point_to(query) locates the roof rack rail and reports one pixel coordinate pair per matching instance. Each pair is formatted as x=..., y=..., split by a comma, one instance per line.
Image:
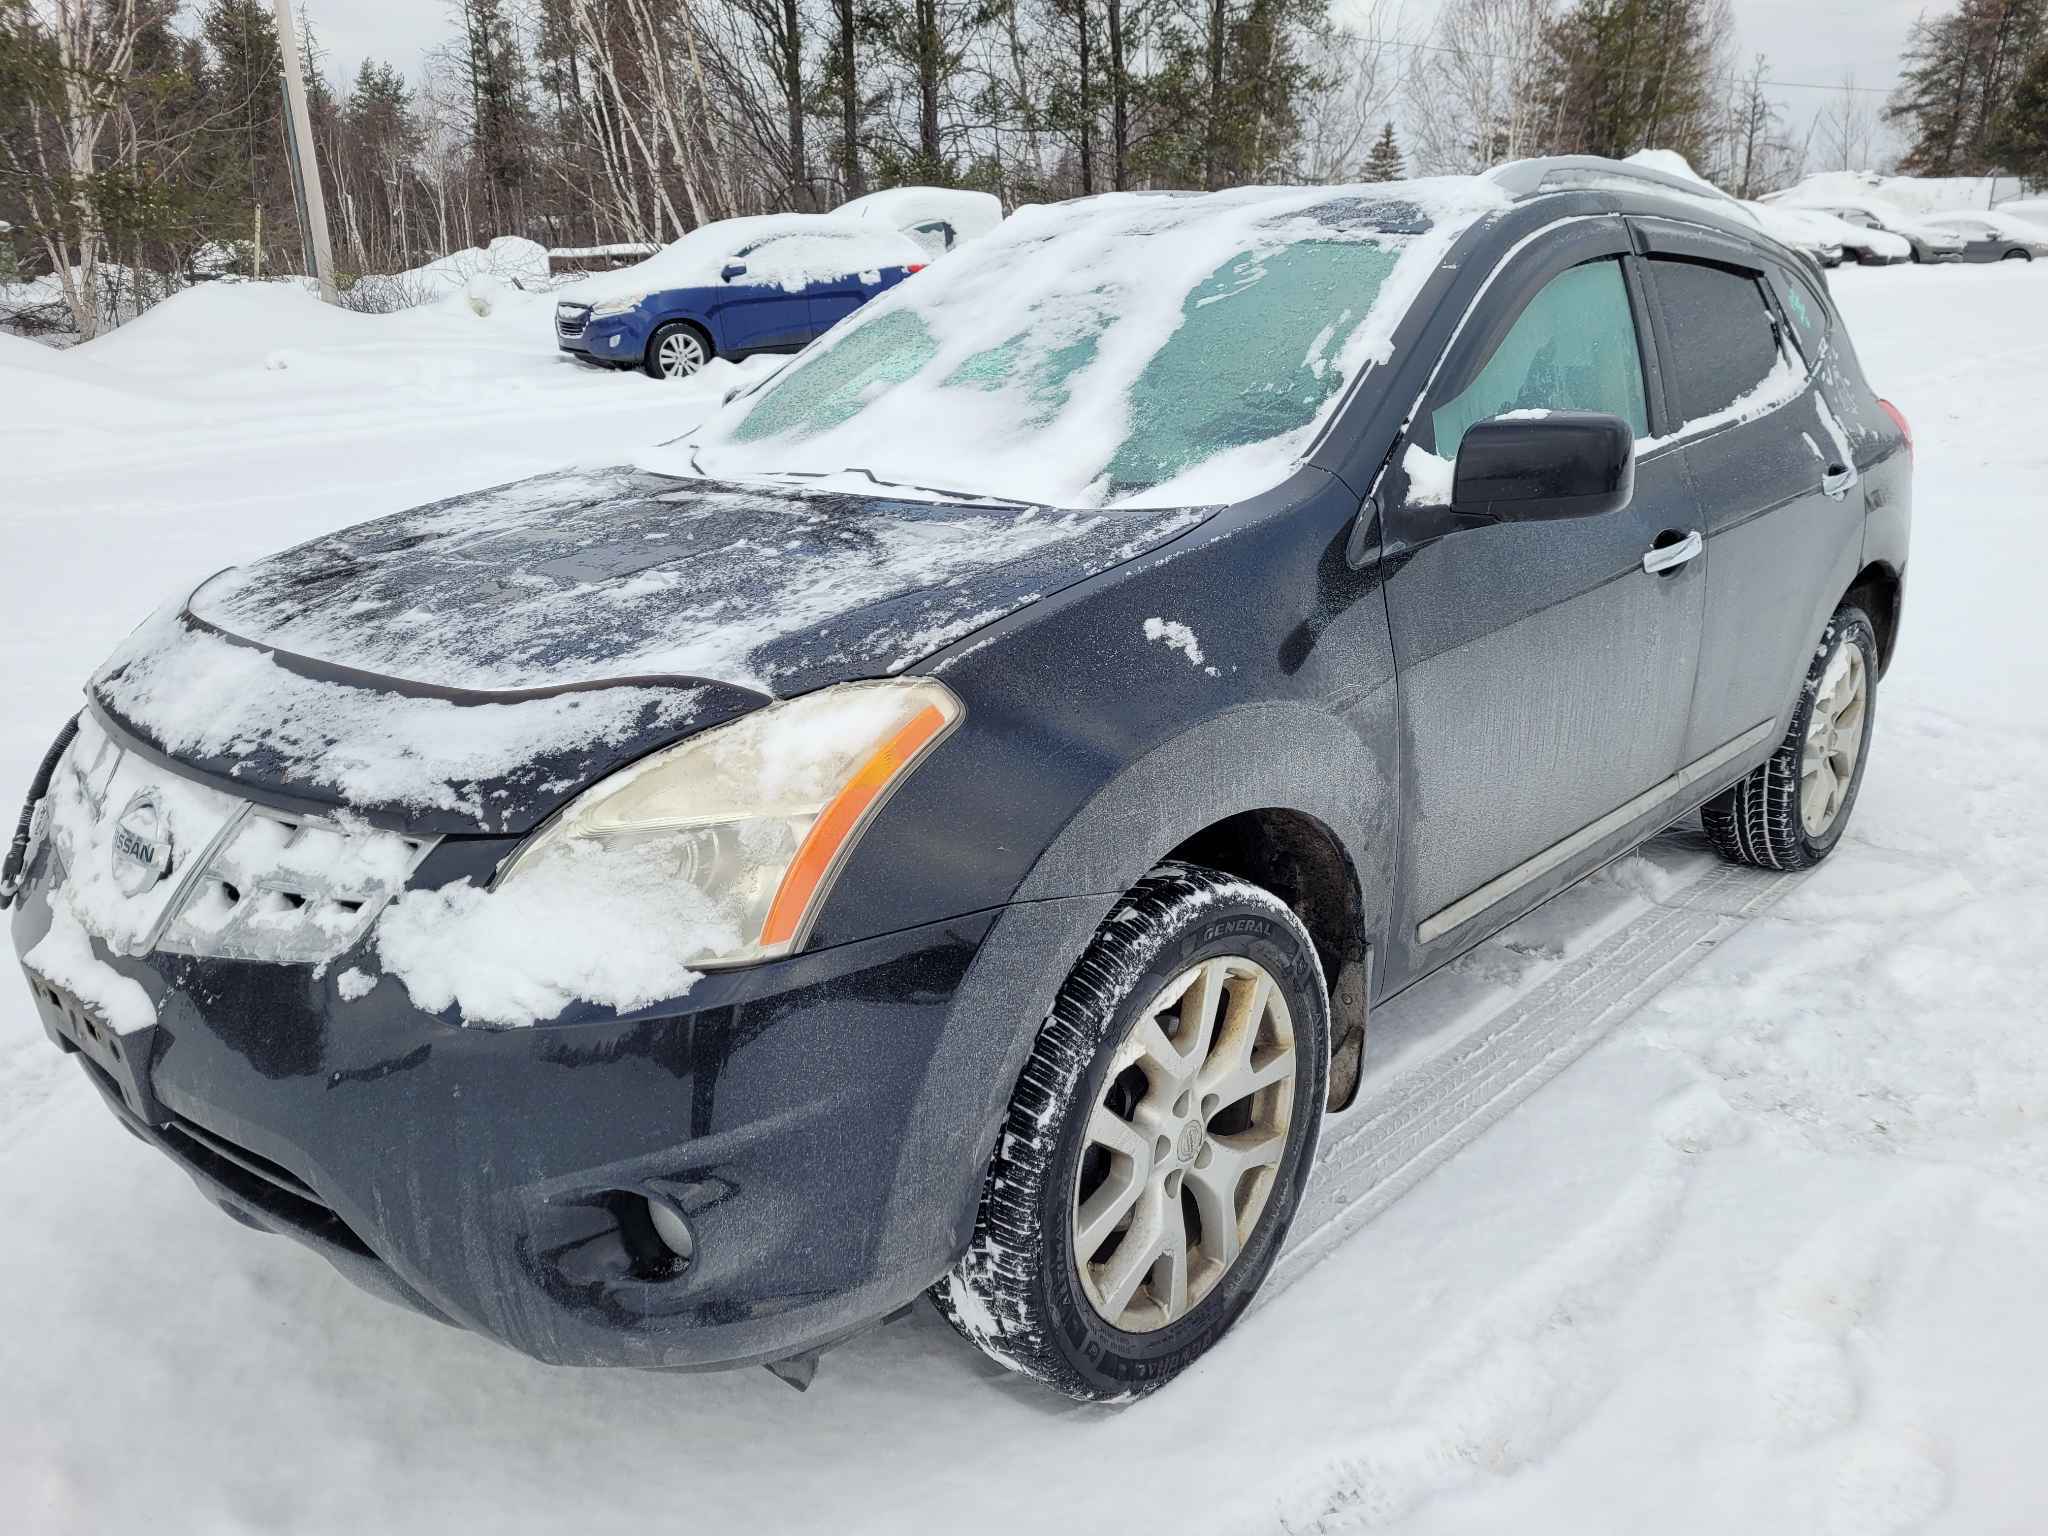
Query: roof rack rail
x=1558, y=173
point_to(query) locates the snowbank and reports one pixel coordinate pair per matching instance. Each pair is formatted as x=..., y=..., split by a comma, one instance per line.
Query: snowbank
x=1909, y=194
x=506, y=260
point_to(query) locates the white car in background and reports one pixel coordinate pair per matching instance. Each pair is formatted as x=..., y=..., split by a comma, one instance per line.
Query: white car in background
x=940, y=219
x=1816, y=234
x=1859, y=243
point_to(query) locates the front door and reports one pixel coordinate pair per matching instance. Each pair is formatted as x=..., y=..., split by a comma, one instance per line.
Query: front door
x=1544, y=673
x=762, y=317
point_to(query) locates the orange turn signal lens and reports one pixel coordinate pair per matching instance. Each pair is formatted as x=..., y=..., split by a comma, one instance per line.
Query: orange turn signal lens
x=833, y=832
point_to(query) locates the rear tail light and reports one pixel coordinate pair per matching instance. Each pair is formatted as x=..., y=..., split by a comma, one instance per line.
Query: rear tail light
x=1899, y=421
x=917, y=266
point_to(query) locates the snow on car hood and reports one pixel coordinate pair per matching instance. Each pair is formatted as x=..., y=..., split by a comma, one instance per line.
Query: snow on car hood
x=470, y=664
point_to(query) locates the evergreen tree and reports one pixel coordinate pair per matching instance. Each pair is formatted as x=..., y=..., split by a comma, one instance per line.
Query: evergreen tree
x=501, y=112
x=2020, y=136
x=1961, y=72
x=243, y=94
x=1383, y=161
x=1624, y=75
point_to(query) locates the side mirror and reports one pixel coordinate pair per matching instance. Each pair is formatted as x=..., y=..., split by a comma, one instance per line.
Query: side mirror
x=734, y=269
x=1562, y=464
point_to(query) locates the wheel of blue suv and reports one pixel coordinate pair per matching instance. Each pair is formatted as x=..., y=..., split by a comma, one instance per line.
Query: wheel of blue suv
x=1156, y=1144
x=1790, y=813
x=677, y=350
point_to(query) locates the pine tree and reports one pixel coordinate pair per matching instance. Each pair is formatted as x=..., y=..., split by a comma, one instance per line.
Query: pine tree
x=2020, y=136
x=1960, y=74
x=245, y=100
x=1383, y=161
x=1624, y=75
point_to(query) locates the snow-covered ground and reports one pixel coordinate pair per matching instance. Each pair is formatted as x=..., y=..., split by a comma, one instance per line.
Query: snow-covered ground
x=1771, y=1258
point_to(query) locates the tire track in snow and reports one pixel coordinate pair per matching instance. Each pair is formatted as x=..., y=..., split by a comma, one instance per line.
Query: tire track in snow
x=1525, y=1371
x=1400, y=1131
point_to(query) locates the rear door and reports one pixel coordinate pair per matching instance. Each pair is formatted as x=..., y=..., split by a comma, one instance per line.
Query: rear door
x=1773, y=470
x=832, y=297
x=1543, y=674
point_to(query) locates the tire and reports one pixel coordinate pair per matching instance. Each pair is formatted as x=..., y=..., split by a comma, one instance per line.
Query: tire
x=2016, y=254
x=677, y=350
x=1768, y=818
x=1019, y=1291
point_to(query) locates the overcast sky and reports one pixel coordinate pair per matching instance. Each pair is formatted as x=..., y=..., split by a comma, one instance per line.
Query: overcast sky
x=1811, y=41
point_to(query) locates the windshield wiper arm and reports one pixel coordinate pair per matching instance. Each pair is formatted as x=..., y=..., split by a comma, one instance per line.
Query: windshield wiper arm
x=932, y=490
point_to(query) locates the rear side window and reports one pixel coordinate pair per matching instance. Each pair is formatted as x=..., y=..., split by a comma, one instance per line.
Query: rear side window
x=1723, y=340
x=1573, y=349
x=1808, y=312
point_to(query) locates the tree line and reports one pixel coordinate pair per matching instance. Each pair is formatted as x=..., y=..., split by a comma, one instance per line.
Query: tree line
x=1973, y=92
x=146, y=138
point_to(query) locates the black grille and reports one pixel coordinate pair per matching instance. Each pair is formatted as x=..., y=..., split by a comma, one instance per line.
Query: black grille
x=570, y=324
x=270, y=1188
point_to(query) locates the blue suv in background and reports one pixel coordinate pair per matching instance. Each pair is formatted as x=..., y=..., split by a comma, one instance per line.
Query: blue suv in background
x=731, y=289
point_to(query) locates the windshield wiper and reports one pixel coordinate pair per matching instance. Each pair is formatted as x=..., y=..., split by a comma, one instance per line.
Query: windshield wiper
x=907, y=485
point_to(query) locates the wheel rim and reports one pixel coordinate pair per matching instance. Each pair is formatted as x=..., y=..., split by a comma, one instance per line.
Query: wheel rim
x=679, y=355
x=1834, y=739
x=1184, y=1145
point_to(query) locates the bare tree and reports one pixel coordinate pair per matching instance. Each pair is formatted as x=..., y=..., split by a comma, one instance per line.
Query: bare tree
x=68, y=120
x=1847, y=128
x=1355, y=94
x=1473, y=91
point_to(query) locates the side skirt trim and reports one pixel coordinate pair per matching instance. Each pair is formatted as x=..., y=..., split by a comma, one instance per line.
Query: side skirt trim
x=1499, y=889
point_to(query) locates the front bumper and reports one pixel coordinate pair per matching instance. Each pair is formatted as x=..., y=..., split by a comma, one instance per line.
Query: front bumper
x=620, y=340
x=821, y=1122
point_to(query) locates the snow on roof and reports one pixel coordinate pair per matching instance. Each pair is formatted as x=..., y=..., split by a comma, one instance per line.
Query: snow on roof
x=790, y=249
x=970, y=213
x=1671, y=163
x=1040, y=363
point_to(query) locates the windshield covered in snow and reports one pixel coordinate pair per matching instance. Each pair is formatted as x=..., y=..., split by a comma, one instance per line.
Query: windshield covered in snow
x=1121, y=350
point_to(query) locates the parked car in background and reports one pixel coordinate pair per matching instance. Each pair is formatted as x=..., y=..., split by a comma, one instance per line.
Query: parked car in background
x=1816, y=234
x=1925, y=242
x=940, y=826
x=940, y=219
x=731, y=289
x=1995, y=236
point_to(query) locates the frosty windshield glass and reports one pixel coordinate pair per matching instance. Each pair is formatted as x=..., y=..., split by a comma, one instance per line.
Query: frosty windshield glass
x=1122, y=350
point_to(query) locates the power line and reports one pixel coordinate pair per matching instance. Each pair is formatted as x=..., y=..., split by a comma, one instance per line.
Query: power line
x=1509, y=58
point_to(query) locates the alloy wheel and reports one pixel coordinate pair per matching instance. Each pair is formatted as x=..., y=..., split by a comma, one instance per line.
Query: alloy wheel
x=679, y=355
x=1834, y=738
x=1185, y=1143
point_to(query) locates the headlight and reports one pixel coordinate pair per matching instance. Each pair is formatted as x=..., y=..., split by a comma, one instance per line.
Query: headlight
x=616, y=306
x=758, y=815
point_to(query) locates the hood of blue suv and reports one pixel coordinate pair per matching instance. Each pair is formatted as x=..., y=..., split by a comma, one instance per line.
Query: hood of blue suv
x=471, y=664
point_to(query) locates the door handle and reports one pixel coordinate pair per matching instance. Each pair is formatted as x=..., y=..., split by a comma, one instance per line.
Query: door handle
x=1837, y=480
x=1669, y=557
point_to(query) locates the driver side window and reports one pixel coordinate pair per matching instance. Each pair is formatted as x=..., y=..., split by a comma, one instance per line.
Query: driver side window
x=1573, y=349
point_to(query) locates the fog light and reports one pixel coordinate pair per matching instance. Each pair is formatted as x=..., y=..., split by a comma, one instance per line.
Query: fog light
x=670, y=1227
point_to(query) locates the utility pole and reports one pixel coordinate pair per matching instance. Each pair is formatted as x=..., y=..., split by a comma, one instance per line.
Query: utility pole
x=305, y=159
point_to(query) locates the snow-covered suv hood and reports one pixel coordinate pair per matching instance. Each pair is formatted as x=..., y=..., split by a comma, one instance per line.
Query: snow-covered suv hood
x=469, y=664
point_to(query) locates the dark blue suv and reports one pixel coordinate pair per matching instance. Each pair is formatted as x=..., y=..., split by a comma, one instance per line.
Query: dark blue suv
x=943, y=825
x=731, y=289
